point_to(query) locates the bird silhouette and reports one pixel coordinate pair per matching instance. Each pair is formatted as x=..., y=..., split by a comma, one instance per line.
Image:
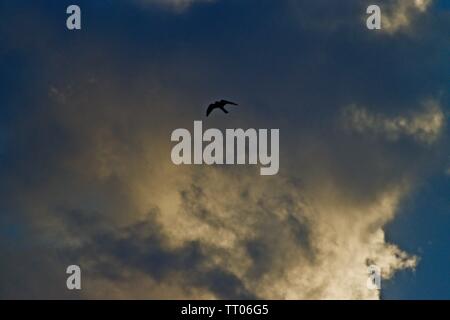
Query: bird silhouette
x=219, y=105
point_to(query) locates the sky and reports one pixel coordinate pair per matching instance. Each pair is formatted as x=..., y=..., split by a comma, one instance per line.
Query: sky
x=87, y=179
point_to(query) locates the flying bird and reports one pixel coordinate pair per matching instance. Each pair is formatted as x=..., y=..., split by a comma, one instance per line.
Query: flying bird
x=219, y=105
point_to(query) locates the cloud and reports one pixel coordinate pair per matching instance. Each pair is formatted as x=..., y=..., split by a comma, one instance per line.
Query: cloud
x=284, y=242
x=141, y=227
x=396, y=15
x=400, y=14
x=425, y=126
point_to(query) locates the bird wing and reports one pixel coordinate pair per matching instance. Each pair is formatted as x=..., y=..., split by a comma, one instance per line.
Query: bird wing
x=224, y=110
x=210, y=109
x=225, y=102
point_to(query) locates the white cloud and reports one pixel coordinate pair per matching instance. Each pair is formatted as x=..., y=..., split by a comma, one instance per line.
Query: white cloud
x=310, y=245
x=425, y=126
x=400, y=13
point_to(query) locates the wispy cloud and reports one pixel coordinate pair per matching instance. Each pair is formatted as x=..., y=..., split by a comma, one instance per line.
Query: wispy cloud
x=400, y=14
x=425, y=126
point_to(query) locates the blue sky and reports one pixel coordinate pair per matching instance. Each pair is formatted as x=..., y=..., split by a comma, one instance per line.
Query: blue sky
x=422, y=228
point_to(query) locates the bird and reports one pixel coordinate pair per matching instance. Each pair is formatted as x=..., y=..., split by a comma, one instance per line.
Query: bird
x=219, y=105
